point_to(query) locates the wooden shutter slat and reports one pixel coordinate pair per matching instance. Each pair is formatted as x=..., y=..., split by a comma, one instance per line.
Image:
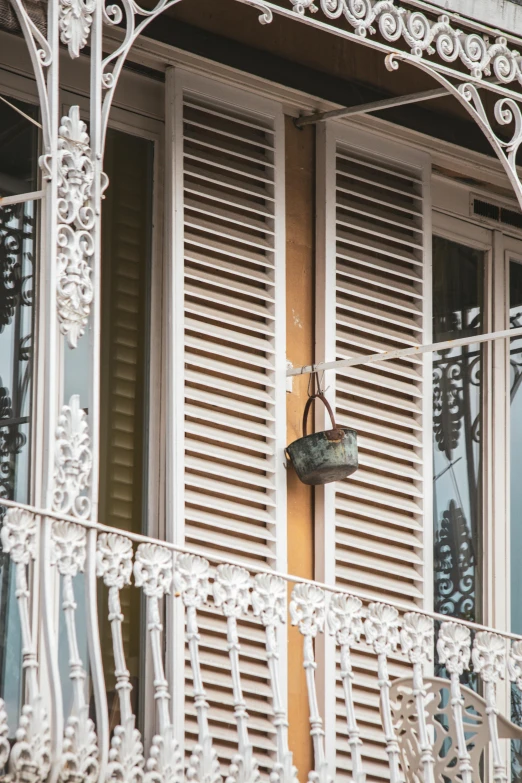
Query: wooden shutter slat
x=232, y=382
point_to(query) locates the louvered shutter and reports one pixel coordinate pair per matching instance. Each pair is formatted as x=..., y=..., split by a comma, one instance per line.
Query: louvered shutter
x=375, y=263
x=231, y=354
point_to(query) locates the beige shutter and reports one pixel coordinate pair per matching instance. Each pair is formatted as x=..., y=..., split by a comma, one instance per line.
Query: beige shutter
x=376, y=261
x=233, y=378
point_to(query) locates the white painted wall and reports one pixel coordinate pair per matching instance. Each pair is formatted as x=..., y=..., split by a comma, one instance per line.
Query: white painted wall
x=505, y=14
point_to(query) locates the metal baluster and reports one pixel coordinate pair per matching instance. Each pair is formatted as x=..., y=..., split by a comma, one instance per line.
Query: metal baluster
x=307, y=610
x=489, y=660
x=344, y=619
x=153, y=572
x=269, y=604
x=382, y=633
x=454, y=651
x=114, y=564
x=231, y=589
x=80, y=747
x=30, y=755
x=417, y=643
x=191, y=580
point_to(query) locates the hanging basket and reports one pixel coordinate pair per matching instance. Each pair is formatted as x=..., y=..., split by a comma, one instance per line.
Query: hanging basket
x=325, y=456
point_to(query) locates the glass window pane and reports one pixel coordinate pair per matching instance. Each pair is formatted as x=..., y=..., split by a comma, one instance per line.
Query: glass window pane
x=18, y=149
x=17, y=269
x=18, y=174
x=458, y=275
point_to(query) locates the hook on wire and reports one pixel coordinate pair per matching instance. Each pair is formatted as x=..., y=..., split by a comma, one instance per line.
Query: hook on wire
x=313, y=382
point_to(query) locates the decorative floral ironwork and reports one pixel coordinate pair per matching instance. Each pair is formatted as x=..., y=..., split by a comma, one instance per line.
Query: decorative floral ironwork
x=80, y=750
x=153, y=572
x=454, y=652
x=345, y=622
x=153, y=569
x=18, y=536
x=73, y=461
x=423, y=35
x=489, y=656
x=75, y=23
x=114, y=565
x=381, y=628
x=269, y=599
x=30, y=757
x=231, y=590
x=164, y=764
x=345, y=618
x=454, y=647
x=76, y=217
x=489, y=660
x=191, y=580
x=80, y=746
x=506, y=112
x=68, y=551
x=307, y=609
x=114, y=560
x=417, y=635
x=269, y=604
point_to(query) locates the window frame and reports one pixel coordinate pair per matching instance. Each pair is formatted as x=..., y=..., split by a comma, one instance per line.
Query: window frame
x=500, y=248
x=142, y=125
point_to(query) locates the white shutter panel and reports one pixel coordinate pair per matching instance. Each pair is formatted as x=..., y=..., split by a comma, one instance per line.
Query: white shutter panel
x=231, y=269
x=376, y=261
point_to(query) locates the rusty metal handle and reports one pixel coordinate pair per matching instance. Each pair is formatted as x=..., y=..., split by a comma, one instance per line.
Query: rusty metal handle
x=309, y=405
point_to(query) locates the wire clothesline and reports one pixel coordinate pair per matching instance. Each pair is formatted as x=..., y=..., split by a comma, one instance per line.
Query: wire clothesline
x=399, y=353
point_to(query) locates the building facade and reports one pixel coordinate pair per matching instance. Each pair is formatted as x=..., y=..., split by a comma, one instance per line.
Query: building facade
x=210, y=212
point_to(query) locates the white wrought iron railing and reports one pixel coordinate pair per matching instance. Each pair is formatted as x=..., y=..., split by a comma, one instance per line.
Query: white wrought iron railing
x=432, y=727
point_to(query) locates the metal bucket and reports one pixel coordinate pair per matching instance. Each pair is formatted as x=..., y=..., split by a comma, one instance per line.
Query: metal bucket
x=325, y=456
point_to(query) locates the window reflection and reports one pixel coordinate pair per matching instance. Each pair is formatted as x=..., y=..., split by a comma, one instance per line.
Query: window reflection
x=17, y=254
x=458, y=274
x=18, y=153
x=18, y=149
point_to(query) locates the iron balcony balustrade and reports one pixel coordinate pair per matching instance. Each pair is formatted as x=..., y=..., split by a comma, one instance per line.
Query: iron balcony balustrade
x=431, y=728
